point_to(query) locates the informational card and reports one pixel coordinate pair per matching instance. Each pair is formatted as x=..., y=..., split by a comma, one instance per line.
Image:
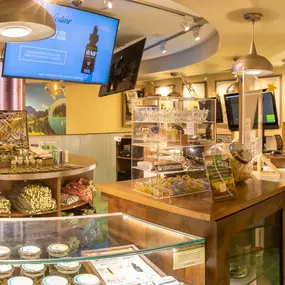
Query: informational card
x=220, y=174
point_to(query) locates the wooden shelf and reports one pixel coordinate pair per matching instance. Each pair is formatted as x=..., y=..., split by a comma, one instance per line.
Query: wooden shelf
x=19, y=214
x=129, y=158
x=73, y=206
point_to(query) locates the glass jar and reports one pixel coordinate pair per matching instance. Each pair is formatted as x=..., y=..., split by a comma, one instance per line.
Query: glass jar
x=68, y=270
x=34, y=271
x=6, y=272
x=86, y=279
x=5, y=252
x=57, y=250
x=54, y=280
x=30, y=252
x=20, y=280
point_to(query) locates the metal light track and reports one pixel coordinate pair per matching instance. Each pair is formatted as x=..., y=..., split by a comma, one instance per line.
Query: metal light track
x=172, y=37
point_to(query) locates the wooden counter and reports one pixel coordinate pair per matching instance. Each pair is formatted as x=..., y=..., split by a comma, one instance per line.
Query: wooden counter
x=198, y=215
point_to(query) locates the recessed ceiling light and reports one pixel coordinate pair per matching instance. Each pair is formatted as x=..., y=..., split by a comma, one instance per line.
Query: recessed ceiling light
x=22, y=21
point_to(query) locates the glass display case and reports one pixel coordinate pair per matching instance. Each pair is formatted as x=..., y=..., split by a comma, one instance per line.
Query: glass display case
x=108, y=249
x=255, y=253
x=172, y=133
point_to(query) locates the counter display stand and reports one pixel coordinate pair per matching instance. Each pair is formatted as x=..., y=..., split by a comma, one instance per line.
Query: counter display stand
x=79, y=167
x=173, y=133
x=117, y=248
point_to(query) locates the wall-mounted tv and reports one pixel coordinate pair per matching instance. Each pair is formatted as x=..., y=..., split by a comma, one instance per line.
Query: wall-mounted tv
x=81, y=50
x=124, y=69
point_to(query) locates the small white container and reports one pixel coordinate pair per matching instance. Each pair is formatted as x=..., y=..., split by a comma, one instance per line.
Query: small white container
x=57, y=250
x=5, y=252
x=6, y=272
x=53, y=280
x=19, y=280
x=144, y=165
x=86, y=279
x=30, y=252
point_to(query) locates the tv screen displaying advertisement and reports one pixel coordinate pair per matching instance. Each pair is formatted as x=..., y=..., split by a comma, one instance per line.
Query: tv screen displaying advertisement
x=124, y=69
x=270, y=116
x=80, y=51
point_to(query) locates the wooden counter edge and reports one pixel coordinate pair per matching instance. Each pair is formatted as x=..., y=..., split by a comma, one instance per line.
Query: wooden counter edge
x=116, y=190
x=123, y=190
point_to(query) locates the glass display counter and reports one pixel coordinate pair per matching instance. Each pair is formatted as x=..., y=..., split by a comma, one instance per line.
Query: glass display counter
x=116, y=248
x=255, y=253
x=172, y=133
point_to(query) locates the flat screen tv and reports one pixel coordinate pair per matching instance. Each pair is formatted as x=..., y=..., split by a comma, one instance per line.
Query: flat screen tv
x=124, y=69
x=80, y=51
x=270, y=116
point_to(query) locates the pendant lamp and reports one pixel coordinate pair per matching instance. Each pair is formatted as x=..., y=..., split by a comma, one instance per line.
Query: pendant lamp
x=24, y=21
x=253, y=64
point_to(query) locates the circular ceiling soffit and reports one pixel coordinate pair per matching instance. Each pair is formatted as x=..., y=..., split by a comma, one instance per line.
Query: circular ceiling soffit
x=24, y=21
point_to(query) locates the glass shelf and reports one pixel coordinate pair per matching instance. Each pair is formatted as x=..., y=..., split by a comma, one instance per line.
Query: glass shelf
x=89, y=233
x=268, y=273
x=170, y=171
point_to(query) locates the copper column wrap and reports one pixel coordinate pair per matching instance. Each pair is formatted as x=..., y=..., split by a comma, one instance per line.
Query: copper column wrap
x=12, y=93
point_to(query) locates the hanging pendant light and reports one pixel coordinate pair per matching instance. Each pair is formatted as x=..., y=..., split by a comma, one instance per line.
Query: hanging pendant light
x=253, y=64
x=55, y=88
x=24, y=21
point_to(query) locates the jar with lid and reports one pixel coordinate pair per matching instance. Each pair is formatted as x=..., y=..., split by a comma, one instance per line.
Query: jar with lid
x=6, y=272
x=20, y=280
x=30, y=252
x=34, y=271
x=57, y=250
x=5, y=253
x=86, y=279
x=68, y=270
x=55, y=280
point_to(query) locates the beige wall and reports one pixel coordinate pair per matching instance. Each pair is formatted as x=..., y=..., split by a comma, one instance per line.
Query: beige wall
x=88, y=113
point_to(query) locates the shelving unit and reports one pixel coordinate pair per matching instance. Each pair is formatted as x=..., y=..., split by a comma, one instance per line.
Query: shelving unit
x=54, y=180
x=172, y=133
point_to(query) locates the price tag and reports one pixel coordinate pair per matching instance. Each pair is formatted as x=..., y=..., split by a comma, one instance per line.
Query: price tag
x=190, y=255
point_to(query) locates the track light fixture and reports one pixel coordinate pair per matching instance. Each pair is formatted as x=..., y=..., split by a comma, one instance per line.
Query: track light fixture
x=187, y=23
x=107, y=4
x=196, y=34
x=162, y=47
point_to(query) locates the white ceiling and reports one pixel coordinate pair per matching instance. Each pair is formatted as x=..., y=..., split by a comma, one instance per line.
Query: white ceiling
x=137, y=21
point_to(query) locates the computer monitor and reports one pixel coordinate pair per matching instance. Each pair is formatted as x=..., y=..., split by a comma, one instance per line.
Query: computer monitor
x=219, y=111
x=270, y=116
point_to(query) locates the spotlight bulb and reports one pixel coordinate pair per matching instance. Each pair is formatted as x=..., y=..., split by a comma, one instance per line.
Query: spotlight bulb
x=196, y=33
x=110, y=5
x=162, y=47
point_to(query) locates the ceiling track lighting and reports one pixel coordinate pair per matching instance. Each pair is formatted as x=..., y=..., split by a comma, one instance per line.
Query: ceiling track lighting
x=196, y=33
x=107, y=4
x=162, y=47
x=187, y=23
x=253, y=64
x=25, y=21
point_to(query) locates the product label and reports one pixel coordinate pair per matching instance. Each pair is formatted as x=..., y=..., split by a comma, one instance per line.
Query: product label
x=188, y=256
x=220, y=175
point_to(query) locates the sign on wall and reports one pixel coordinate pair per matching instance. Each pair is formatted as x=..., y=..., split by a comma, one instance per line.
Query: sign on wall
x=46, y=113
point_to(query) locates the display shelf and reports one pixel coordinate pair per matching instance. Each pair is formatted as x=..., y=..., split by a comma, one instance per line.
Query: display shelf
x=267, y=273
x=162, y=146
x=173, y=122
x=129, y=158
x=132, y=249
x=73, y=206
x=19, y=214
x=169, y=172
